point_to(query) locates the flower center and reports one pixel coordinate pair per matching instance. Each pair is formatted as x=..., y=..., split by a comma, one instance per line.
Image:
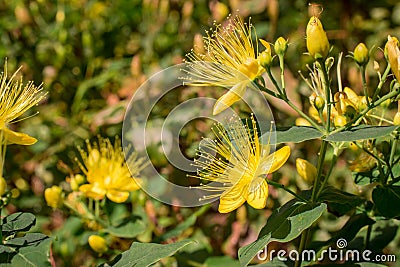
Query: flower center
x=249, y=68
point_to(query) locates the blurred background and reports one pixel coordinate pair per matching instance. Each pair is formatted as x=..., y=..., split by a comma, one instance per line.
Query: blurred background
x=91, y=57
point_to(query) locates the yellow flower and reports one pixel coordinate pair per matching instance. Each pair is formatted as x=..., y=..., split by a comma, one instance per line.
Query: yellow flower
x=229, y=50
x=107, y=173
x=306, y=170
x=239, y=166
x=98, y=244
x=54, y=196
x=15, y=100
x=317, y=41
x=363, y=163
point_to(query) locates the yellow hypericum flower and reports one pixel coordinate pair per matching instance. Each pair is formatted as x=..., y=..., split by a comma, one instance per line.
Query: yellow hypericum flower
x=15, y=99
x=393, y=54
x=107, y=173
x=54, y=196
x=317, y=41
x=237, y=164
x=229, y=50
x=363, y=163
x=306, y=170
x=98, y=244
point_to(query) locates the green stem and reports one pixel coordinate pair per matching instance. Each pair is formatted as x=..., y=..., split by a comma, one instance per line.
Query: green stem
x=303, y=241
x=282, y=66
x=274, y=82
x=381, y=82
x=301, y=113
x=305, y=233
x=328, y=174
x=364, y=82
x=368, y=236
x=284, y=97
x=278, y=185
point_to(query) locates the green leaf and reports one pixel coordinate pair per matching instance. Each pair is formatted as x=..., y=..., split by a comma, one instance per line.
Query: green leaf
x=361, y=132
x=387, y=200
x=128, y=228
x=30, y=239
x=34, y=253
x=285, y=224
x=17, y=222
x=296, y=134
x=339, y=202
x=145, y=254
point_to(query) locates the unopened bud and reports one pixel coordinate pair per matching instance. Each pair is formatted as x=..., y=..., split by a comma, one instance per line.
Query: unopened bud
x=302, y=122
x=281, y=46
x=53, y=196
x=319, y=102
x=265, y=58
x=317, y=41
x=361, y=55
x=306, y=170
x=98, y=244
x=3, y=186
x=393, y=55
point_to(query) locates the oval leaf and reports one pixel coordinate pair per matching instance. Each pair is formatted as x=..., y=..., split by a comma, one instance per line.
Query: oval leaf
x=296, y=134
x=361, y=132
x=285, y=224
x=17, y=222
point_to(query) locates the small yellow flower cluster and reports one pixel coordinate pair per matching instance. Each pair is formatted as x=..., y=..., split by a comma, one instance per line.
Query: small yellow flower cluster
x=107, y=172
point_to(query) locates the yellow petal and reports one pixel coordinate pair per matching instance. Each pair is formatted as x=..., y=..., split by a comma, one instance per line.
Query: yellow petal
x=131, y=185
x=232, y=96
x=231, y=200
x=117, y=196
x=18, y=138
x=257, y=194
x=279, y=158
x=92, y=191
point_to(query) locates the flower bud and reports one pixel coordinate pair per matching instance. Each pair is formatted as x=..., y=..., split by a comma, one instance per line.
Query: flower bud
x=361, y=55
x=265, y=58
x=281, y=46
x=319, y=102
x=76, y=181
x=317, y=41
x=339, y=120
x=393, y=55
x=302, y=122
x=3, y=186
x=306, y=170
x=396, y=119
x=98, y=244
x=53, y=196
